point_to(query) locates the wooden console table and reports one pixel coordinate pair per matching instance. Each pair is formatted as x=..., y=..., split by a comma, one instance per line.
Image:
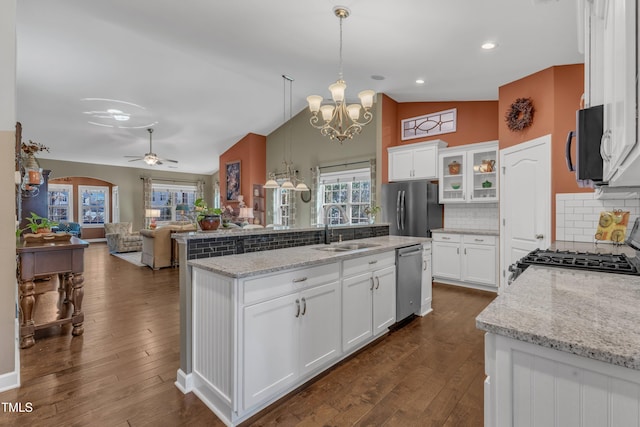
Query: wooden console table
x=65, y=259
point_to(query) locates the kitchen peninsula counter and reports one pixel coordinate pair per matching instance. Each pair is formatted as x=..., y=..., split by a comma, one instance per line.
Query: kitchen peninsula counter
x=590, y=314
x=255, y=263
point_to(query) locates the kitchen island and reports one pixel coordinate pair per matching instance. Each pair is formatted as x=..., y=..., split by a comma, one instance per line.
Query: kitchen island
x=265, y=323
x=563, y=348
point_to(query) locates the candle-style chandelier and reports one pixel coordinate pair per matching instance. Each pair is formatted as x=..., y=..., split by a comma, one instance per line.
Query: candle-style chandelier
x=341, y=121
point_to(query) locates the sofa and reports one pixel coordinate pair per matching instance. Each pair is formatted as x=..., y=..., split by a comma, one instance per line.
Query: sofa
x=72, y=228
x=121, y=237
x=159, y=250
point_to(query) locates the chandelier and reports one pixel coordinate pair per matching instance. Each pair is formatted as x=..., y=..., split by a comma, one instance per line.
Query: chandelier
x=341, y=121
x=290, y=175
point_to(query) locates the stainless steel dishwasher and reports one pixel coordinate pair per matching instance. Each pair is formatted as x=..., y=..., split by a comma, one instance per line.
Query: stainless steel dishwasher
x=408, y=281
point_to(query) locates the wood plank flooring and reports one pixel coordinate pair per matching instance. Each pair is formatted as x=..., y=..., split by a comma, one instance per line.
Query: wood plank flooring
x=121, y=372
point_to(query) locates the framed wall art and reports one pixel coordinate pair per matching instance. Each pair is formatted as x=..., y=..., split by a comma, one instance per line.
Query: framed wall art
x=233, y=180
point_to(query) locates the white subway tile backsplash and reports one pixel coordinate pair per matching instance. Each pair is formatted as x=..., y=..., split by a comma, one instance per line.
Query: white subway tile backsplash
x=477, y=216
x=577, y=215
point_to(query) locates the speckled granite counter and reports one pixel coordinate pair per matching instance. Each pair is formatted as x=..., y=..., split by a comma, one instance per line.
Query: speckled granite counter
x=461, y=231
x=251, y=264
x=591, y=314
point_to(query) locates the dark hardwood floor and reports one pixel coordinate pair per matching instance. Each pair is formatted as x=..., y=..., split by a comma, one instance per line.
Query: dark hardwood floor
x=121, y=372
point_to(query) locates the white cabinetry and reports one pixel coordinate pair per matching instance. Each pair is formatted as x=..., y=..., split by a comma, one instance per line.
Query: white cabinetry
x=530, y=385
x=414, y=161
x=465, y=259
x=469, y=173
x=369, y=298
x=294, y=333
x=427, y=281
x=611, y=52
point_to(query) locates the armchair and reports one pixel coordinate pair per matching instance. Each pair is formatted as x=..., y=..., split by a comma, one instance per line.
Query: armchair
x=121, y=238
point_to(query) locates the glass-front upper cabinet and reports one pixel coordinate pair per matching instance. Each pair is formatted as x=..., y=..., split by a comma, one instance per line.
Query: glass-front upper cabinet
x=469, y=173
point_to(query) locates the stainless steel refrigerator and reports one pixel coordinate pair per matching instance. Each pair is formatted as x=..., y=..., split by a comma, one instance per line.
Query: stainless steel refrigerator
x=411, y=208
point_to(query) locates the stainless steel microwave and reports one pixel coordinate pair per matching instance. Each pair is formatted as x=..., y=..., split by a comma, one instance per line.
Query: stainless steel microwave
x=588, y=135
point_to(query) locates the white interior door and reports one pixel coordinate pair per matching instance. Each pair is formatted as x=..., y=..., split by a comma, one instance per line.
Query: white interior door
x=525, y=200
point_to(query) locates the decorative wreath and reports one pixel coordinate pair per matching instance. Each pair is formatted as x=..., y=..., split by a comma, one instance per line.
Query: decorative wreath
x=520, y=114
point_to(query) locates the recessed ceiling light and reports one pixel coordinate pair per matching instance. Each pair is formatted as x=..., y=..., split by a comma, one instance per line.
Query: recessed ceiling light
x=489, y=45
x=420, y=81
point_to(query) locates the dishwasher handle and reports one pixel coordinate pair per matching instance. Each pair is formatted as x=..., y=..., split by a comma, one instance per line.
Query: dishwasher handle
x=412, y=253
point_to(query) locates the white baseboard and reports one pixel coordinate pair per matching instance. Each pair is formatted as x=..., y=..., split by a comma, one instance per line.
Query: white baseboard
x=11, y=380
x=184, y=382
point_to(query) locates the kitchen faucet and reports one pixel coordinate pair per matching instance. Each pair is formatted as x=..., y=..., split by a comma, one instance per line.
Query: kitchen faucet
x=343, y=214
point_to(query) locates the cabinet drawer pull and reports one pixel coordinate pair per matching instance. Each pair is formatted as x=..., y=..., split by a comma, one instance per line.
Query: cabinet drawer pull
x=377, y=282
x=373, y=262
x=446, y=238
x=301, y=279
x=479, y=240
x=298, y=305
x=304, y=306
x=371, y=288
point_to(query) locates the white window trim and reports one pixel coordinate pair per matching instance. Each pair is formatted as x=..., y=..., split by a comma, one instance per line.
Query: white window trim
x=348, y=176
x=63, y=187
x=82, y=189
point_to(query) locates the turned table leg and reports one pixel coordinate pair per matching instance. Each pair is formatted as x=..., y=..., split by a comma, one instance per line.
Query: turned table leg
x=27, y=327
x=77, y=293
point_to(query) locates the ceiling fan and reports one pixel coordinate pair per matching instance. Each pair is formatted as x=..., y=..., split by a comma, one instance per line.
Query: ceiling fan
x=151, y=158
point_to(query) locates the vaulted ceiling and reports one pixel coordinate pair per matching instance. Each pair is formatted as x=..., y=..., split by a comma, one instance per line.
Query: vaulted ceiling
x=204, y=73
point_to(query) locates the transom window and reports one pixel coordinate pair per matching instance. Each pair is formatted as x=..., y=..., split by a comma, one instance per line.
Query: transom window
x=344, y=197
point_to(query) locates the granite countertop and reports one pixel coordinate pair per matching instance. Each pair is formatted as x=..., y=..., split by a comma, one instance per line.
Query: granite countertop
x=468, y=231
x=255, y=263
x=591, y=314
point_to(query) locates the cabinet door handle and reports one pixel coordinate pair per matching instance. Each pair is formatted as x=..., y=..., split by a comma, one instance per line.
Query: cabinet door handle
x=377, y=282
x=304, y=306
x=298, y=305
x=465, y=251
x=458, y=251
x=539, y=236
x=424, y=265
x=371, y=288
x=373, y=262
x=300, y=279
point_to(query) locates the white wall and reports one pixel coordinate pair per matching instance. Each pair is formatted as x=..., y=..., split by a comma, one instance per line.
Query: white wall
x=9, y=370
x=577, y=214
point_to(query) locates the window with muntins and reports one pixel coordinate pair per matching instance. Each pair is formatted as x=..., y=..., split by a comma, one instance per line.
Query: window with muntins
x=60, y=202
x=93, y=205
x=166, y=197
x=344, y=197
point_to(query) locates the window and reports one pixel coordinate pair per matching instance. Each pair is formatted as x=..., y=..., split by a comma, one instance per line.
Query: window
x=93, y=205
x=166, y=197
x=60, y=202
x=282, y=203
x=345, y=195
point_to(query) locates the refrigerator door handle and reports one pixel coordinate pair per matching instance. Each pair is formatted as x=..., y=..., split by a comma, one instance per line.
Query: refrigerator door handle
x=398, y=211
x=403, y=212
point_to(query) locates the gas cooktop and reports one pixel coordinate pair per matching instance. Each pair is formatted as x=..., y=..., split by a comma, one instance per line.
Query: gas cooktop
x=611, y=263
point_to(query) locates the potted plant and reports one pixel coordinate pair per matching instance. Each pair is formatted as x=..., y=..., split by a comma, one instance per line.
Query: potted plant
x=371, y=212
x=208, y=218
x=37, y=224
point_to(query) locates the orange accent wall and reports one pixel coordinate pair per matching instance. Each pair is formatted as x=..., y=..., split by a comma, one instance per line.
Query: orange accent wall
x=476, y=123
x=555, y=93
x=252, y=153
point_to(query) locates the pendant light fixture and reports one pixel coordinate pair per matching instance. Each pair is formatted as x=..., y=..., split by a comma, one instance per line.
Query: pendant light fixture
x=290, y=175
x=341, y=121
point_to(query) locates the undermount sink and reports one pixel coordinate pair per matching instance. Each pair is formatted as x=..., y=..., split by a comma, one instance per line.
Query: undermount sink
x=344, y=247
